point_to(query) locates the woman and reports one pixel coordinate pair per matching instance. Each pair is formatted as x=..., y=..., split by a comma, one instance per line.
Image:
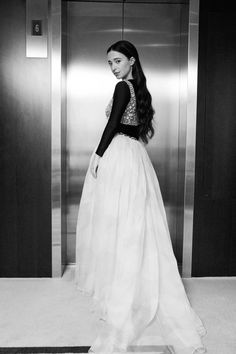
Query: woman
x=124, y=254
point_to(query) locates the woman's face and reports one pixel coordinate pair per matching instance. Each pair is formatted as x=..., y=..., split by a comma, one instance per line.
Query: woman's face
x=120, y=65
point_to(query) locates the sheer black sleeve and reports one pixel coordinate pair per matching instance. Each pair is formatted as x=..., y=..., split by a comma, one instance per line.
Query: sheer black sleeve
x=121, y=98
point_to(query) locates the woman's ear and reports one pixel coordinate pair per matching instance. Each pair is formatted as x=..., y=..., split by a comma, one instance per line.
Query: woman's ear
x=132, y=60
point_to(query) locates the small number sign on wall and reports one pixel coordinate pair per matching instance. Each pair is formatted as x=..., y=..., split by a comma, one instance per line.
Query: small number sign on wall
x=37, y=28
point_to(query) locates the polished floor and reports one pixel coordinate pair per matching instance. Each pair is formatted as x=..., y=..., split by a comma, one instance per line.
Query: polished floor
x=43, y=312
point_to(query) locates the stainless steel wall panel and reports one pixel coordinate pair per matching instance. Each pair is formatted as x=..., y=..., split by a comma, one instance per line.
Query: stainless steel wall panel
x=190, y=137
x=183, y=69
x=57, y=108
x=25, y=145
x=37, y=45
x=63, y=134
x=156, y=30
x=92, y=27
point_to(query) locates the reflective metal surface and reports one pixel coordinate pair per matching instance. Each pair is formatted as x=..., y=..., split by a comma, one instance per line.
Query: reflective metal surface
x=91, y=28
x=57, y=140
x=63, y=135
x=182, y=133
x=25, y=145
x=156, y=30
x=37, y=42
x=162, y=40
x=190, y=137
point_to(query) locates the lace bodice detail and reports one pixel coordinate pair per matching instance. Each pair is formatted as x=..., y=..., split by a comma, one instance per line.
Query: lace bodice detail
x=121, y=113
x=130, y=114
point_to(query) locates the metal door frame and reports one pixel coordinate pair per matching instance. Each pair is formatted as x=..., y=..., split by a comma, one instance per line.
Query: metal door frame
x=58, y=123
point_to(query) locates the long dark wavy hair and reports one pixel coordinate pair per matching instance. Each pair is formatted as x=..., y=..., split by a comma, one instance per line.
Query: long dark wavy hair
x=144, y=107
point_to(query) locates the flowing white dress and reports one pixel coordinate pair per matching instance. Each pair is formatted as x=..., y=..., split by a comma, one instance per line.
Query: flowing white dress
x=124, y=254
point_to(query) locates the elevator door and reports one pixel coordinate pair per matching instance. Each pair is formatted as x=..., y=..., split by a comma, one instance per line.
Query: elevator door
x=156, y=30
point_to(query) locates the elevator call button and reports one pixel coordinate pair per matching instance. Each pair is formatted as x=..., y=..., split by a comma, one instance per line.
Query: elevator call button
x=36, y=28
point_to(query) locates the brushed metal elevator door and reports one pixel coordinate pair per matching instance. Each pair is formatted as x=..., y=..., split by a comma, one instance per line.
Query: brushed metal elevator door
x=155, y=29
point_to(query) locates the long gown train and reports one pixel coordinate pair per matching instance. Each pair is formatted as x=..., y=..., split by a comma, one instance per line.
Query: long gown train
x=124, y=254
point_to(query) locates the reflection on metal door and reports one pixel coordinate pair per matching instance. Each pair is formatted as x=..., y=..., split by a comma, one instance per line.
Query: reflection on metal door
x=157, y=32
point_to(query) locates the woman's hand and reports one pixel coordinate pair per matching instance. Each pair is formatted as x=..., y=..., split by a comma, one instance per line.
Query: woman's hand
x=94, y=165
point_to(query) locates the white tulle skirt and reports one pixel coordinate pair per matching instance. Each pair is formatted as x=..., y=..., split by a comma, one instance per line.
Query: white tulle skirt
x=124, y=255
